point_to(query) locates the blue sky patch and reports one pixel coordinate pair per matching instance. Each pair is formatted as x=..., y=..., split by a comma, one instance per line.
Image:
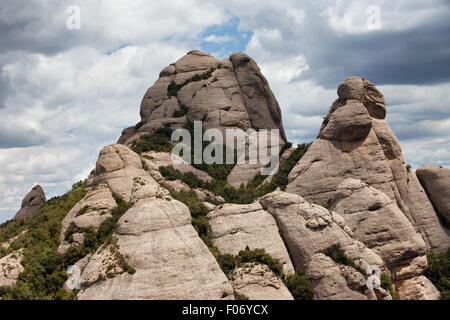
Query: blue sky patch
x=225, y=39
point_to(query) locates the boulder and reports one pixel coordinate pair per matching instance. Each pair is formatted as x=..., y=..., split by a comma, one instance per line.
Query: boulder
x=90, y=212
x=258, y=282
x=157, y=239
x=348, y=123
x=234, y=227
x=33, y=201
x=241, y=95
x=354, y=142
x=307, y=228
x=376, y=221
x=424, y=217
x=417, y=288
x=436, y=182
x=333, y=281
x=123, y=171
x=10, y=268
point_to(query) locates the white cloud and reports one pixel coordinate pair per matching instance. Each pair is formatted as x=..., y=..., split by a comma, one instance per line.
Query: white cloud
x=219, y=39
x=79, y=99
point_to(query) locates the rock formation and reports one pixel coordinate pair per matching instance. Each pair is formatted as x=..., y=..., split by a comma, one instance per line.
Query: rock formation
x=10, y=268
x=170, y=260
x=234, y=227
x=333, y=281
x=436, y=182
x=424, y=216
x=32, y=202
x=165, y=238
x=155, y=237
x=355, y=141
x=376, y=221
x=307, y=229
x=258, y=282
x=231, y=93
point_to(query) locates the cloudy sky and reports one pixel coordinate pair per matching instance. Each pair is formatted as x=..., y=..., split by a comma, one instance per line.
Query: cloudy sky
x=65, y=93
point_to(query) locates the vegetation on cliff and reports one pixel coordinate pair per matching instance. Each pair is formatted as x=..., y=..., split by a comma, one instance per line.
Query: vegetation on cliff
x=45, y=268
x=439, y=272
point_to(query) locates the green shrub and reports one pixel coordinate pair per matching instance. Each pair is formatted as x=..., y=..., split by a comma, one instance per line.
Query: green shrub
x=438, y=272
x=336, y=253
x=173, y=87
x=181, y=112
x=260, y=256
x=216, y=171
x=238, y=296
x=227, y=263
x=44, y=268
x=327, y=205
x=106, y=229
x=139, y=125
x=299, y=286
x=280, y=179
x=201, y=225
x=158, y=141
x=77, y=185
x=386, y=283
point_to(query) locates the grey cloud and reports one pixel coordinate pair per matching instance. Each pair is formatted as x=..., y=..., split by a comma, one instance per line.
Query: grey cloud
x=4, y=90
x=17, y=137
x=417, y=56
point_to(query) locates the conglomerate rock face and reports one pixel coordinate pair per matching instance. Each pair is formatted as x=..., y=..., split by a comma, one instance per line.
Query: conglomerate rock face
x=352, y=190
x=258, y=282
x=424, y=217
x=356, y=142
x=231, y=93
x=333, y=281
x=308, y=229
x=436, y=182
x=10, y=268
x=223, y=94
x=351, y=144
x=171, y=261
x=155, y=237
x=33, y=201
x=376, y=221
x=235, y=227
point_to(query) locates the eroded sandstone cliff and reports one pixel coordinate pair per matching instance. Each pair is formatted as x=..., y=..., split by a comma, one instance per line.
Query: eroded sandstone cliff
x=148, y=228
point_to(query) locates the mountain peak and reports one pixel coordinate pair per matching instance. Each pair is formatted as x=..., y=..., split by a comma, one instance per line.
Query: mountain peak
x=32, y=202
x=229, y=93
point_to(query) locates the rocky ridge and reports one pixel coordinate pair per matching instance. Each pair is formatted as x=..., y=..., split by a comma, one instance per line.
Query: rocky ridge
x=351, y=203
